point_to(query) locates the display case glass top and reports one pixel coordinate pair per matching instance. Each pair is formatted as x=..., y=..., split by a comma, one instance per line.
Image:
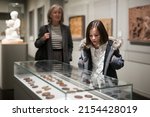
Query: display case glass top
x=66, y=76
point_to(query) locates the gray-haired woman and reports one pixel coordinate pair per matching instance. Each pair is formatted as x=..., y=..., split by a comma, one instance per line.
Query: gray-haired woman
x=54, y=40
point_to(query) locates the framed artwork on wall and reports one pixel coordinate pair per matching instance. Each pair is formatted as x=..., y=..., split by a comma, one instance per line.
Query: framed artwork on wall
x=77, y=27
x=139, y=24
x=108, y=25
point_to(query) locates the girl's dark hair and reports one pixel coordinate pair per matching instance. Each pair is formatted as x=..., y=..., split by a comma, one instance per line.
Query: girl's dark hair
x=50, y=11
x=102, y=31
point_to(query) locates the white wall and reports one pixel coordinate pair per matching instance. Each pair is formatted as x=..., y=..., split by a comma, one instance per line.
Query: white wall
x=4, y=6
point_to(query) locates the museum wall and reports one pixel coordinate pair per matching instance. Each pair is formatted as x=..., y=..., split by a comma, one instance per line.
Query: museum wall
x=3, y=7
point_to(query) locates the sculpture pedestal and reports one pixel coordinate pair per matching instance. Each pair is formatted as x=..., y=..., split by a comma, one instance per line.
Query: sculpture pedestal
x=10, y=53
x=12, y=41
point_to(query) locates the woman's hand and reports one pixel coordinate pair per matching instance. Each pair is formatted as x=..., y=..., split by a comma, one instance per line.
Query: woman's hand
x=46, y=36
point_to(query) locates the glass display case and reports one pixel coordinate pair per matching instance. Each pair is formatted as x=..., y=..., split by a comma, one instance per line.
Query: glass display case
x=56, y=80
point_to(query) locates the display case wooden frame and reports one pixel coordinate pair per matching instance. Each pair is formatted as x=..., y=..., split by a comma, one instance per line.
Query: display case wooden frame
x=139, y=24
x=77, y=27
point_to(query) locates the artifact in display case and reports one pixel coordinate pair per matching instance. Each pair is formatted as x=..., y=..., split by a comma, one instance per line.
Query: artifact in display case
x=56, y=80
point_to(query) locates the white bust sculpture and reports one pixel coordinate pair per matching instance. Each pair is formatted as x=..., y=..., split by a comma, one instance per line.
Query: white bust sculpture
x=12, y=33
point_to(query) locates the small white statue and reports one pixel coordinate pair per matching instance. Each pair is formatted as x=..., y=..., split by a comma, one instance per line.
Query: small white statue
x=12, y=33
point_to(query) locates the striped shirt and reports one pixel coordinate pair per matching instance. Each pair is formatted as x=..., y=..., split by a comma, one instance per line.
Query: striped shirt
x=56, y=37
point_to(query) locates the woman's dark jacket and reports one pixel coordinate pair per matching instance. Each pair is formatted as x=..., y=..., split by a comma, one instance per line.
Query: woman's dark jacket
x=112, y=60
x=45, y=51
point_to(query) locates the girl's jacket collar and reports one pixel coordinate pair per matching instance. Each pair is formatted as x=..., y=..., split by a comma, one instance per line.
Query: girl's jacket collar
x=116, y=43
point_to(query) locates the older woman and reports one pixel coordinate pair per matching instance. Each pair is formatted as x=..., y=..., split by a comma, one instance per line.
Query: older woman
x=54, y=40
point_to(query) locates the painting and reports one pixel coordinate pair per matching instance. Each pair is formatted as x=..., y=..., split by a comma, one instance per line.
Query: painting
x=107, y=24
x=77, y=27
x=139, y=24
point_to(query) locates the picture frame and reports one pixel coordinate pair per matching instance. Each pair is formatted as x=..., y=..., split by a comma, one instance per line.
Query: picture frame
x=77, y=27
x=108, y=24
x=139, y=24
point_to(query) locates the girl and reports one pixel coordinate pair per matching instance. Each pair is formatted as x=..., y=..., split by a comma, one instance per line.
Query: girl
x=99, y=54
